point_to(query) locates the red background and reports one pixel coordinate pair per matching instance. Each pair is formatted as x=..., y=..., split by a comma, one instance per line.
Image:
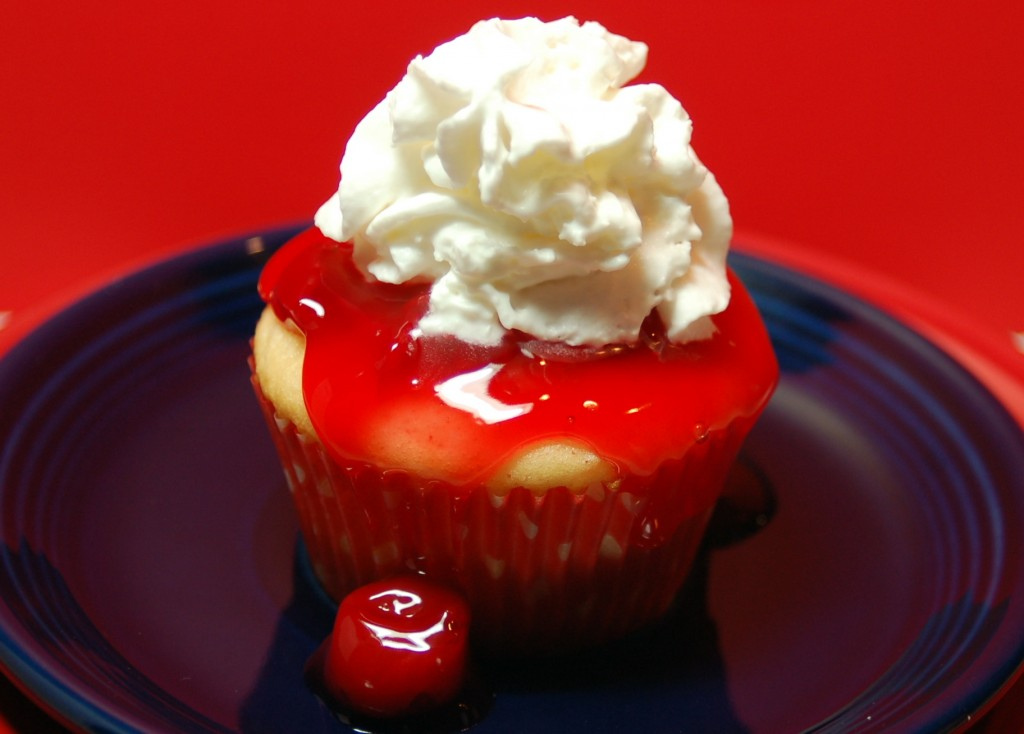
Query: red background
x=878, y=142
x=885, y=133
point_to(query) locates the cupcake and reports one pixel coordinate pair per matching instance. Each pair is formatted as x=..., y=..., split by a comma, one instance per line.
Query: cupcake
x=510, y=355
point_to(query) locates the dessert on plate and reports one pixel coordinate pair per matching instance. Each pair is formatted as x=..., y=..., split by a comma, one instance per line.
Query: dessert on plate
x=510, y=356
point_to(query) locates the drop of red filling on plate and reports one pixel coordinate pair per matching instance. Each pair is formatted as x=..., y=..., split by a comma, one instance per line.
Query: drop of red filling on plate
x=399, y=651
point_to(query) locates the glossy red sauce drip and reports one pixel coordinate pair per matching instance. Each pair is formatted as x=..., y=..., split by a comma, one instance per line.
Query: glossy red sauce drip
x=372, y=388
x=399, y=647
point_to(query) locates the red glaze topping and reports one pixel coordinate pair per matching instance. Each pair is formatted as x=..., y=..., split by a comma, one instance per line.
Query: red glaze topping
x=369, y=383
x=399, y=648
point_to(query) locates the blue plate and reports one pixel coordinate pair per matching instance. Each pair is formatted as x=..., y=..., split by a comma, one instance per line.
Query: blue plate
x=151, y=578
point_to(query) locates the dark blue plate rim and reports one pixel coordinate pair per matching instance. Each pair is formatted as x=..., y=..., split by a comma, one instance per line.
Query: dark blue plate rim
x=239, y=260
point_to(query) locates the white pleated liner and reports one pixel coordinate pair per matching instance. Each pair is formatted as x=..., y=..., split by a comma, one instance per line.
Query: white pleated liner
x=542, y=572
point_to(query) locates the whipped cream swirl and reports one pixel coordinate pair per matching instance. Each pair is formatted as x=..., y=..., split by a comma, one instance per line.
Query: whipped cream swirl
x=515, y=170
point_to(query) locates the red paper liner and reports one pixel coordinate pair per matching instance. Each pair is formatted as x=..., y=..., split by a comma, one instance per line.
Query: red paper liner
x=542, y=571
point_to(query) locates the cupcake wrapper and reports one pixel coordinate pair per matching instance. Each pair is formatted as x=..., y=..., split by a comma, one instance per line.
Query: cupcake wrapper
x=542, y=572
